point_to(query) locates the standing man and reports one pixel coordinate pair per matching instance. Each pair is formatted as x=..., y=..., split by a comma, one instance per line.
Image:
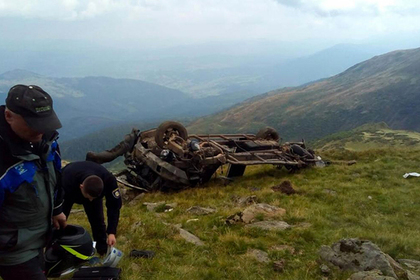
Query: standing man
x=30, y=196
x=86, y=183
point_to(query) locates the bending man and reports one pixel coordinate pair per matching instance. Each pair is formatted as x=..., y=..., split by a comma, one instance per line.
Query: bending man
x=86, y=183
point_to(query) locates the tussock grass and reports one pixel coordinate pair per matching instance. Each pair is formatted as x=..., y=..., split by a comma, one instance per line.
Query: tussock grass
x=368, y=200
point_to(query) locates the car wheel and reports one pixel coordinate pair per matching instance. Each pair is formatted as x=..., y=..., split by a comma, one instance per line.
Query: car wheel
x=268, y=133
x=166, y=130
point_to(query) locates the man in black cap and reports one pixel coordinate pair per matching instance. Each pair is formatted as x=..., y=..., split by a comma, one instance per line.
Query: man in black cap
x=86, y=182
x=30, y=192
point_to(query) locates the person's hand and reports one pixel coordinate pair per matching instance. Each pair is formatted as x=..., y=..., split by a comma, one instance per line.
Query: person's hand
x=60, y=221
x=111, y=240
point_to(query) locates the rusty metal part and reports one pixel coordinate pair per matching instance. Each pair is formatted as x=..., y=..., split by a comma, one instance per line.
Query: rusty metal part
x=163, y=168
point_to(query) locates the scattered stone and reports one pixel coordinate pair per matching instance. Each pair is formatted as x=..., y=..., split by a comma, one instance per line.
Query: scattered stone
x=413, y=264
x=369, y=197
x=259, y=255
x=325, y=270
x=151, y=206
x=127, y=194
x=370, y=275
x=251, y=212
x=136, y=225
x=199, y=211
x=246, y=200
x=270, y=225
x=330, y=192
x=284, y=187
x=189, y=237
x=357, y=255
x=192, y=220
x=75, y=211
x=351, y=162
x=288, y=248
x=136, y=199
x=234, y=219
x=398, y=269
x=279, y=265
x=412, y=276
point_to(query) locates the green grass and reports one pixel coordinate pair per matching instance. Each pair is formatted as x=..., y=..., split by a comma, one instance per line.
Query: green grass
x=372, y=201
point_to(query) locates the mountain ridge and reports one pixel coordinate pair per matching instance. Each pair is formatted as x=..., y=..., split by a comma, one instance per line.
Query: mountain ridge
x=384, y=88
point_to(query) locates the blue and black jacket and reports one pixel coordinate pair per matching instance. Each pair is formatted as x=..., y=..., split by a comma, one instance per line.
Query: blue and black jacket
x=30, y=193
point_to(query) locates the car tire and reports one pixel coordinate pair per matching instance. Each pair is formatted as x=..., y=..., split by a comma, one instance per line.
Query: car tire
x=166, y=129
x=268, y=133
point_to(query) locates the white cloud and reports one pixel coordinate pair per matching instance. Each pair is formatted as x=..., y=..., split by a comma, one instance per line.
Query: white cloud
x=199, y=20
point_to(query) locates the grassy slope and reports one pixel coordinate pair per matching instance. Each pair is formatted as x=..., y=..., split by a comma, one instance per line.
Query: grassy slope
x=389, y=219
x=369, y=136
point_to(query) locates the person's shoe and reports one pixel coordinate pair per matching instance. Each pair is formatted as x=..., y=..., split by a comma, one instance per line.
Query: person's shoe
x=142, y=254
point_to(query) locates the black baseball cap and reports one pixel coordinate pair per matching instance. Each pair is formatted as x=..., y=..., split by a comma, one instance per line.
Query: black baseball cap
x=35, y=106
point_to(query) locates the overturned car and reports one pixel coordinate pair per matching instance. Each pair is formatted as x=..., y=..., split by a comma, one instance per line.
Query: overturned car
x=167, y=158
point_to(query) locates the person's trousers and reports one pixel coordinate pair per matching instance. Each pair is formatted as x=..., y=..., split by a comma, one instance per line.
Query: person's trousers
x=95, y=212
x=30, y=270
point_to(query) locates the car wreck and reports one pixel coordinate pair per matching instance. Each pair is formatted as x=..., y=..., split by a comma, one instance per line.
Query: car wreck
x=167, y=158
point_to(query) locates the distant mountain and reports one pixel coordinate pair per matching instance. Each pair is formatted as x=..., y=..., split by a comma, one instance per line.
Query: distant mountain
x=89, y=104
x=253, y=67
x=323, y=64
x=385, y=88
x=222, y=74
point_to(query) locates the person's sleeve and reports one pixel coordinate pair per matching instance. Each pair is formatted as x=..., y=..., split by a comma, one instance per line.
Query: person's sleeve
x=113, y=204
x=58, y=191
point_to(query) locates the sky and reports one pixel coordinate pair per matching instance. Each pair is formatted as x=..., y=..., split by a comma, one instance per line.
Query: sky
x=163, y=23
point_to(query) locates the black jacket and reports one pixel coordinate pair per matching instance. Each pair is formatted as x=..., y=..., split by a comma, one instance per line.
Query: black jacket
x=30, y=193
x=76, y=172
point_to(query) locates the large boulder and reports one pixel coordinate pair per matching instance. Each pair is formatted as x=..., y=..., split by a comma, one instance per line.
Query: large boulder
x=357, y=255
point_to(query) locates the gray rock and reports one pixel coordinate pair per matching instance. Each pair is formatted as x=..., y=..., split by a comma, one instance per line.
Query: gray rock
x=370, y=275
x=234, y=219
x=325, y=270
x=412, y=276
x=357, y=255
x=136, y=225
x=199, y=211
x=246, y=200
x=398, y=269
x=413, y=264
x=251, y=212
x=270, y=225
x=259, y=255
x=136, y=199
x=279, y=265
x=151, y=206
x=189, y=237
